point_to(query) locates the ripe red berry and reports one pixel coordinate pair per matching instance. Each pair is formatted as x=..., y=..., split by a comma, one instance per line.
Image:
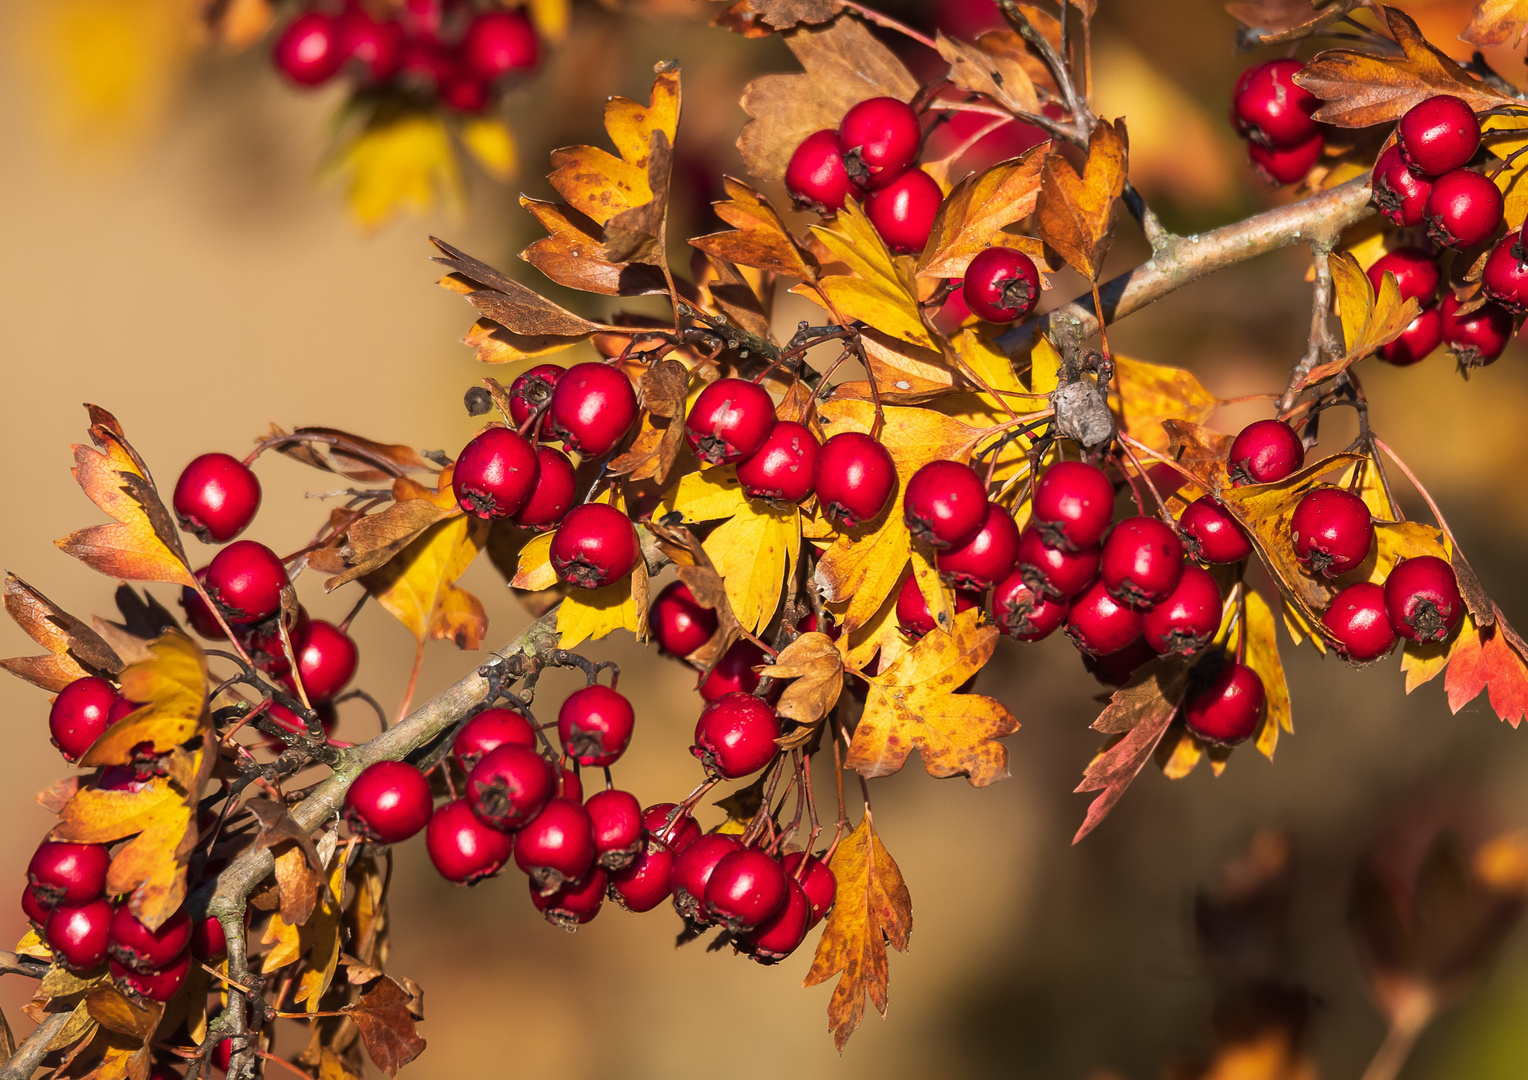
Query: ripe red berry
x=81, y=712
x=245, y=580
x=509, y=786
x=678, y=831
x=903, y=211
x=1332, y=530
x=782, y=468
x=1001, y=285
x=286, y=718
x=913, y=616
x=463, y=849
x=986, y=558
x=644, y=883
x=389, y=802
x=1422, y=599
x=569, y=786
x=135, y=946
x=488, y=730
x=782, y=933
x=374, y=44
x=1099, y=625
x=555, y=494
x=1463, y=209
x=531, y=392
x=216, y=497
x=572, y=903
x=879, y=139
x=198, y=613
x=262, y=641
x=817, y=881
x=1400, y=194
x=734, y=673
x=33, y=908
x=499, y=42
x=326, y=659
x=735, y=736
x=595, y=725
x=1072, y=505
x=463, y=91
x=1478, y=338
x=208, y=940
x=945, y=504
x=1265, y=451
x=617, y=819
x=557, y=845
x=678, y=623
x=953, y=313
x=1286, y=164
x=1142, y=561
x=151, y=985
x=65, y=873
x=1421, y=336
x=1210, y=534
x=1184, y=622
x=1226, y=710
x=692, y=871
x=593, y=407
x=310, y=49
x=855, y=478
x=1416, y=273
x=730, y=420
x=1022, y=613
x=746, y=889
x=222, y=1054
x=1116, y=668
x=594, y=546
x=1356, y=622
x=77, y=935
x=816, y=177
x=1505, y=275
x=496, y=474
x=1270, y=109
x=1052, y=572
x=1438, y=135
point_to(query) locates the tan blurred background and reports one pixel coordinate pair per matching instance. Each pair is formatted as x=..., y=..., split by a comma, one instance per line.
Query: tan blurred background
x=179, y=264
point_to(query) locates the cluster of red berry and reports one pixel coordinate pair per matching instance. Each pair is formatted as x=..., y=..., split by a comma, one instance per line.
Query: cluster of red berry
x=443, y=50
x=1275, y=117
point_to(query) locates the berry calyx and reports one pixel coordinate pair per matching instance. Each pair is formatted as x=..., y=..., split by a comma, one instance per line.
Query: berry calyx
x=509, y=786
x=1438, y=135
x=1210, y=534
x=879, y=140
x=678, y=623
x=1052, y=572
x=572, y=903
x=489, y=730
x=78, y=934
x=1270, y=109
x=1072, y=505
x=1286, y=164
x=1226, y=710
x=644, y=883
x=1400, y=194
x=495, y=474
x=1332, y=530
x=986, y=558
x=913, y=615
x=1001, y=285
x=945, y=504
x=816, y=880
x=1415, y=271
x=1422, y=599
x=903, y=211
x=692, y=871
x=735, y=736
x=136, y=947
x=499, y=42
x=595, y=725
x=593, y=407
x=1183, y=623
x=245, y=580
x=557, y=845
x=781, y=934
x=82, y=711
x=1477, y=338
x=555, y=494
x=464, y=849
x=855, y=478
x=730, y=420
x=1022, y=613
x=326, y=659
x=594, y=546
x=747, y=888
x=815, y=176
x=1505, y=275
x=1463, y=209
x=1264, y=452
x=663, y=823
x=1421, y=336
x=216, y=497
x=782, y=468
x=388, y=803
x=65, y=873
x=1142, y=561
x=1098, y=624
x=734, y=672
x=309, y=51
x=531, y=392
x=1357, y=625
x=148, y=986
x=618, y=832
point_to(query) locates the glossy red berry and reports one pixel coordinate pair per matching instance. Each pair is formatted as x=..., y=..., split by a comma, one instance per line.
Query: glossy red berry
x=945, y=504
x=692, y=871
x=913, y=616
x=374, y=44
x=572, y=903
x=1226, y=710
x=569, y=786
x=216, y=497
x=557, y=845
x=879, y=139
x=1116, y=668
x=734, y=673
x=1463, y=209
x=1184, y=622
x=326, y=659
x=245, y=580
x=208, y=939
x=986, y=558
x=388, y=803
x=532, y=392
x=496, y=474
x=81, y=712
x=1438, y=135
x=817, y=881
x=644, y=883
x=676, y=830
x=730, y=420
x=1210, y=534
x=1421, y=336
x=1332, y=530
x=1505, y=275
x=1052, y=572
x=222, y=1054
x=1270, y=109
x=595, y=725
x=310, y=50
x=678, y=623
x=1072, y=505
x=1400, y=194
x=135, y=946
x=1478, y=338
x=1416, y=273
x=509, y=786
x=33, y=908
x=782, y=468
x=199, y=613
x=781, y=934
x=953, y=313
x=464, y=849
x=285, y=718
x=617, y=818
x=1422, y=599
x=555, y=494
x=489, y=730
x=1142, y=561
x=746, y=889
x=903, y=211
x=65, y=873
x=1001, y=285
x=1098, y=624
x=735, y=736
x=1022, y=613
x=594, y=546
x=499, y=42
x=815, y=176
x=855, y=478
x=1265, y=451
x=593, y=407
x=78, y=935
x=159, y=985
x=1356, y=622
x=463, y=91
x=1286, y=164
x=262, y=641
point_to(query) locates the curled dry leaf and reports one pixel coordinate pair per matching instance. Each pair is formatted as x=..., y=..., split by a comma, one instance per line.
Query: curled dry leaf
x=418, y=585
x=1497, y=22
x=508, y=303
x=758, y=237
x=999, y=77
x=315, y=941
x=815, y=669
x=354, y=457
x=377, y=538
x=573, y=255
x=1274, y=22
x=387, y=1025
x=652, y=454
x=1076, y=211
x=74, y=649
x=776, y=15
x=1200, y=451
x=977, y=211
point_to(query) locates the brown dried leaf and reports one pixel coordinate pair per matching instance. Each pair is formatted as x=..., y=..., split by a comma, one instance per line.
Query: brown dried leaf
x=1200, y=450
x=999, y=78
x=377, y=538
x=75, y=649
x=978, y=209
x=507, y=302
x=653, y=452
x=758, y=237
x=387, y=1026
x=351, y=456
x=573, y=255
x=777, y=14
x=1497, y=22
x=815, y=669
x=1274, y=22
x=1076, y=212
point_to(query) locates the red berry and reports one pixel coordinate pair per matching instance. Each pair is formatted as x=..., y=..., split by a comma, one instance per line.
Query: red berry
x=747, y=888
x=1478, y=338
x=987, y=558
x=463, y=849
x=1332, y=530
x=816, y=177
x=692, y=871
x=310, y=50
x=1001, y=285
x=678, y=623
x=463, y=91
x=198, y=613
x=569, y=786
x=1270, y=109
x=678, y=831
x=263, y=641
x=557, y=845
x=913, y=616
x=1463, y=209
x=617, y=818
x=222, y=1054
x=1116, y=668
x=1438, y=135
x=572, y=903
x=488, y=730
x=734, y=673
x=855, y=478
x=593, y=407
x=1400, y=194
x=594, y=546
x=1052, y=572
x=1286, y=164
x=1142, y=561
x=151, y=985
x=903, y=211
x=595, y=725
x=644, y=883
x=135, y=946
x=208, y=939
x=1099, y=624
x=1265, y=452
x=1416, y=273
x=817, y=881
x=496, y=474
x=498, y=42
x=555, y=494
x=286, y=718
x=531, y=392
x=730, y=420
x=1421, y=336
x=880, y=139
x=1357, y=624
x=1422, y=599
x=1022, y=613
x=375, y=44
x=782, y=468
x=1210, y=534
x=389, y=802
x=945, y=504
x=326, y=659
x=65, y=873
x=216, y=497
x=1073, y=505
x=1226, y=710
x=245, y=580
x=509, y=786
x=33, y=908
x=1505, y=276
x=77, y=935
x=953, y=313
x=782, y=933
x=736, y=735
x=82, y=711
x=1184, y=622
x=119, y=778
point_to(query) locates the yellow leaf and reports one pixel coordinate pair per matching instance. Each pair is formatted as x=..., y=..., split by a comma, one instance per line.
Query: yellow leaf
x=1395, y=541
x=400, y=164
x=592, y=613
x=880, y=292
x=1044, y=367
x=492, y=145
x=535, y=571
x=1182, y=758
x=170, y=690
x=707, y=495
x=751, y=552
x=1262, y=656
x=1497, y=22
x=758, y=237
x=1368, y=321
x=978, y=209
x=1424, y=663
x=318, y=940
x=418, y=585
x=1143, y=395
x=551, y=18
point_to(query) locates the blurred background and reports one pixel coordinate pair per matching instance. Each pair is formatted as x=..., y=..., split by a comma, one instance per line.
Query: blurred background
x=177, y=258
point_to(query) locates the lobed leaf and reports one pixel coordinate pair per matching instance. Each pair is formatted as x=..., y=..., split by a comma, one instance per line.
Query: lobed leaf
x=1076, y=212
x=977, y=211
x=418, y=585
x=758, y=237
x=74, y=649
x=1497, y=22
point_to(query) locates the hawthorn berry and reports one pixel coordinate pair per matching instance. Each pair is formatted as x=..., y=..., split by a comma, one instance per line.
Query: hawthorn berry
x=1210, y=534
x=1477, y=338
x=1504, y=278
x=572, y=903
x=1270, y=109
x=903, y=211
x=1400, y=194
x=208, y=939
x=1052, y=572
x=692, y=872
x=557, y=845
x=913, y=616
x=644, y=883
x=782, y=468
x=216, y=497
x=953, y=313
x=159, y=985
x=879, y=140
x=747, y=888
x=736, y=735
x=986, y=558
x=531, y=392
x=1001, y=285
x=198, y=613
x=1332, y=530
x=816, y=879
x=1421, y=336
x=730, y=420
x=595, y=725
x=245, y=580
x=569, y=786
x=594, y=546
x=555, y=493
x=1226, y=709
x=734, y=672
x=488, y=730
x=82, y=711
x=816, y=177
x=855, y=478
x=1438, y=135
x=1072, y=505
x=388, y=803
x=374, y=44
x=64, y=873
x=1422, y=599
x=593, y=407
x=284, y=717
x=781, y=934
x=463, y=91
x=495, y=474
x=32, y=907
x=1357, y=625
x=617, y=819
x=78, y=934
x=464, y=849
x=136, y=947
x=1185, y=621
x=1022, y=613
x=945, y=504
x=1416, y=273
x=1099, y=624
x=326, y=659
x=499, y=42
x=1286, y=164
x=678, y=623
x=1264, y=452
x=509, y=786
x=1142, y=561
x=262, y=641
x=665, y=824
x=310, y=50
x=1463, y=209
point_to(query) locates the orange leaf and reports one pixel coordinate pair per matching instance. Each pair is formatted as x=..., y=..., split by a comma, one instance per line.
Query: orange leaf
x=978, y=209
x=507, y=302
x=1077, y=212
x=1485, y=659
x=815, y=669
x=1144, y=395
x=1140, y=714
x=755, y=18
x=1497, y=22
x=170, y=692
x=997, y=76
x=573, y=255
x=419, y=584
x=75, y=650
x=758, y=237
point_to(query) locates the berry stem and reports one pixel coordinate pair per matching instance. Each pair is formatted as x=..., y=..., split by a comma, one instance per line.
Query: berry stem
x=1320, y=325
x=413, y=683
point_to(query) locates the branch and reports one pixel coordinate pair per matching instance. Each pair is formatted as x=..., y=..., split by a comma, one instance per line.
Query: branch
x=23, y=1063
